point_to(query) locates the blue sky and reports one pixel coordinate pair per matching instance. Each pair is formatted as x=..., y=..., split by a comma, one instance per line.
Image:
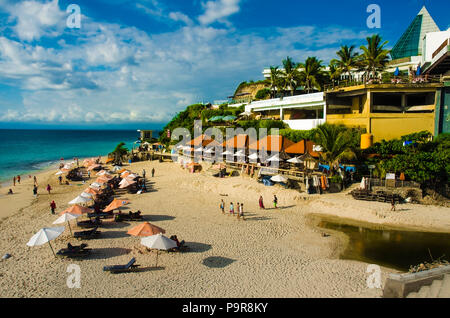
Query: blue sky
x=134, y=64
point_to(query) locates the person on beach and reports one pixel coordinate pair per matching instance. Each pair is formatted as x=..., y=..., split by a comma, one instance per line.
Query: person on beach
x=35, y=180
x=231, y=208
x=18, y=179
x=393, y=205
x=35, y=191
x=49, y=188
x=14, y=180
x=275, y=201
x=60, y=179
x=261, y=203
x=89, y=174
x=143, y=173
x=222, y=206
x=53, y=207
x=153, y=172
x=241, y=211
x=10, y=191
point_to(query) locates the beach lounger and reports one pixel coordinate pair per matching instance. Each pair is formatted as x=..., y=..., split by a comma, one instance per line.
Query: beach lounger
x=101, y=215
x=90, y=234
x=89, y=223
x=74, y=251
x=122, y=268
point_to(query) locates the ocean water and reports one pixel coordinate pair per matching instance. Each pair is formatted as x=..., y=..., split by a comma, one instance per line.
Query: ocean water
x=25, y=151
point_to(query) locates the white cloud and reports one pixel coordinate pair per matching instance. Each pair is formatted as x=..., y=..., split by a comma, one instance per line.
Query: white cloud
x=36, y=19
x=179, y=16
x=218, y=11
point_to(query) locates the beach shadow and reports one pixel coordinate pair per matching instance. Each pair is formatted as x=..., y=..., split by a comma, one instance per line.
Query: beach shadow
x=150, y=269
x=281, y=207
x=217, y=262
x=195, y=247
x=158, y=218
x=114, y=225
x=257, y=218
x=113, y=234
x=108, y=252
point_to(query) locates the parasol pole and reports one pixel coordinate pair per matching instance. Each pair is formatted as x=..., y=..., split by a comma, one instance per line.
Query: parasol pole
x=51, y=248
x=68, y=223
x=156, y=266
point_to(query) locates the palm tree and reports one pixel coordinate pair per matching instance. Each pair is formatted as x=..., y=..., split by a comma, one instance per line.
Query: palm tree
x=348, y=59
x=334, y=71
x=374, y=57
x=275, y=80
x=311, y=74
x=119, y=152
x=336, y=142
x=291, y=75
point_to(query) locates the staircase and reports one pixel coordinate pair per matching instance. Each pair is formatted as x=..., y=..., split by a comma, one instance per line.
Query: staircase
x=438, y=289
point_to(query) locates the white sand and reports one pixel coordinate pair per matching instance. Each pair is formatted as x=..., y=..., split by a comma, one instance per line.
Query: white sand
x=273, y=253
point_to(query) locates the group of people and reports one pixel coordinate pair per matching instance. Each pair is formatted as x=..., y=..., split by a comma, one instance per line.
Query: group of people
x=239, y=209
x=261, y=202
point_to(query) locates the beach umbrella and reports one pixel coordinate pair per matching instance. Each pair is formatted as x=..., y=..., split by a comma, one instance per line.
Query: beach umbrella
x=59, y=173
x=76, y=210
x=295, y=160
x=275, y=157
x=199, y=149
x=126, y=183
x=229, y=118
x=95, y=186
x=240, y=153
x=79, y=200
x=115, y=204
x=209, y=150
x=419, y=70
x=45, y=235
x=92, y=167
x=131, y=176
x=109, y=160
x=245, y=114
x=116, y=168
x=100, y=173
x=66, y=217
x=86, y=195
x=253, y=156
x=278, y=178
x=397, y=72
x=158, y=242
x=92, y=191
x=226, y=153
x=145, y=229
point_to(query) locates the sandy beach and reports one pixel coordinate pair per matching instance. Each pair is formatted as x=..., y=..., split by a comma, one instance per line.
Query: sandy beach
x=273, y=253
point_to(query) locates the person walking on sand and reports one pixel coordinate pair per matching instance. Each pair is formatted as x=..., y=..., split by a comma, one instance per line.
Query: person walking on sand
x=231, y=208
x=275, y=201
x=53, y=207
x=35, y=191
x=35, y=180
x=14, y=180
x=222, y=206
x=393, y=205
x=18, y=179
x=143, y=173
x=60, y=179
x=89, y=174
x=261, y=203
x=153, y=172
x=49, y=188
x=241, y=211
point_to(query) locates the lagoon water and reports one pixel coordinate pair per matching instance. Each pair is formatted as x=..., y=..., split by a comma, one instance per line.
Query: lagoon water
x=24, y=151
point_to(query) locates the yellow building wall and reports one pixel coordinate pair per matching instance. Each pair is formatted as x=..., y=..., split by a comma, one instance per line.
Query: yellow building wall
x=394, y=128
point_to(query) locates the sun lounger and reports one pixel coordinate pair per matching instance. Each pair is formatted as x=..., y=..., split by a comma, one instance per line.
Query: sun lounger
x=89, y=234
x=101, y=215
x=122, y=268
x=136, y=216
x=89, y=223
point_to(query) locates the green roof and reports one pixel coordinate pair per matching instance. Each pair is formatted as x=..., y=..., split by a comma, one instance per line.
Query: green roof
x=410, y=43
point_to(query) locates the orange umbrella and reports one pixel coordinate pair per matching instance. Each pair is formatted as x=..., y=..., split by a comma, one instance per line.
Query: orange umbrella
x=145, y=229
x=122, y=170
x=77, y=210
x=125, y=174
x=109, y=160
x=92, y=191
x=102, y=180
x=115, y=204
x=126, y=183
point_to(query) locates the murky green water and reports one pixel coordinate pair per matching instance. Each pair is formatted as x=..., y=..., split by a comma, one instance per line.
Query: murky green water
x=390, y=248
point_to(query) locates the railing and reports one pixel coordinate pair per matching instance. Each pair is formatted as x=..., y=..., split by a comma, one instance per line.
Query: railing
x=374, y=182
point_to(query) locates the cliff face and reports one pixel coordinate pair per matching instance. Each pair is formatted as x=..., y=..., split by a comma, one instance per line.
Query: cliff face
x=250, y=90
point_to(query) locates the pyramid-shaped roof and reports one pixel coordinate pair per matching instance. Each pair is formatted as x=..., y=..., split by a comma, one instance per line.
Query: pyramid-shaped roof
x=410, y=43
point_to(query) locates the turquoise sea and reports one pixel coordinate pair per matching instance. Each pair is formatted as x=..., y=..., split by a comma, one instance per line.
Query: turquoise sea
x=25, y=151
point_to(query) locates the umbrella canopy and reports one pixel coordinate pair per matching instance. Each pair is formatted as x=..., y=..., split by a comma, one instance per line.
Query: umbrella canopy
x=199, y=149
x=126, y=183
x=76, y=210
x=93, y=167
x=397, y=72
x=295, y=160
x=240, y=153
x=116, y=168
x=109, y=160
x=145, y=229
x=131, y=176
x=278, y=178
x=209, y=150
x=229, y=118
x=100, y=173
x=66, y=217
x=226, y=153
x=58, y=173
x=245, y=114
x=79, y=199
x=45, y=235
x=92, y=191
x=159, y=242
x=86, y=195
x=216, y=118
x=253, y=156
x=275, y=157
x=115, y=204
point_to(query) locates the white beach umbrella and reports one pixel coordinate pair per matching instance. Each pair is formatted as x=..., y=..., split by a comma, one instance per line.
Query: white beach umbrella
x=96, y=185
x=226, y=153
x=86, y=195
x=278, y=178
x=199, y=149
x=209, y=150
x=253, y=156
x=45, y=235
x=79, y=199
x=100, y=173
x=240, y=153
x=274, y=158
x=66, y=217
x=245, y=114
x=59, y=173
x=158, y=242
x=123, y=173
x=295, y=160
x=126, y=183
x=116, y=168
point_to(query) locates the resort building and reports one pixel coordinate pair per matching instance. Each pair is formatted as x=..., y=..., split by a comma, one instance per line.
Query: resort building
x=301, y=112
